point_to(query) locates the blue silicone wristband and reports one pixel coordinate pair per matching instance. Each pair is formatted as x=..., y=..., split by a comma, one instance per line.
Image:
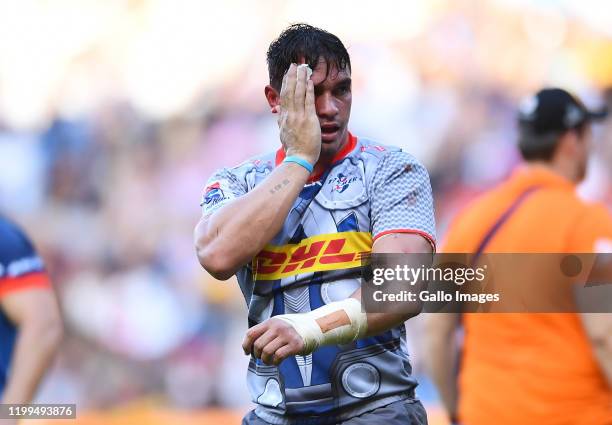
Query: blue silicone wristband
x=299, y=161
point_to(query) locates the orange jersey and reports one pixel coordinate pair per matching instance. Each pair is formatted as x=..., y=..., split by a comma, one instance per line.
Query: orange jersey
x=531, y=368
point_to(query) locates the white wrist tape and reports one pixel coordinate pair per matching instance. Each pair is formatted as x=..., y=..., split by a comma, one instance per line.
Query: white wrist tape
x=339, y=322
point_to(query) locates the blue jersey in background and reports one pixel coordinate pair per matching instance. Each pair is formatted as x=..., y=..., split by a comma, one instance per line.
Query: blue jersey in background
x=20, y=268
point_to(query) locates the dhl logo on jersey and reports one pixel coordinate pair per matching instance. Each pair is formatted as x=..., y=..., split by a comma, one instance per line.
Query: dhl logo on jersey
x=332, y=251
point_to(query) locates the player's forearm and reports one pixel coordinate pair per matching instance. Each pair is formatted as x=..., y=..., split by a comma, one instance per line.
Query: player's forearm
x=603, y=353
x=237, y=232
x=35, y=347
x=441, y=358
x=598, y=327
x=382, y=322
x=405, y=244
x=335, y=323
x=442, y=361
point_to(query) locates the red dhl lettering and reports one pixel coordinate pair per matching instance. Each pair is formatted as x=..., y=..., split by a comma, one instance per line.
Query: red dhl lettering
x=269, y=262
x=323, y=252
x=304, y=257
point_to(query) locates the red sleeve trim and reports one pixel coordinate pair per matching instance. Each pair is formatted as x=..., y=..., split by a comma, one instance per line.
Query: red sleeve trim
x=9, y=285
x=426, y=235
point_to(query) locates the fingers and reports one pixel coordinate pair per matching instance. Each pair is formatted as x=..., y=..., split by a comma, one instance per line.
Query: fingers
x=268, y=352
x=299, y=127
x=309, y=103
x=300, y=88
x=283, y=352
x=279, y=348
x=261, y=342
x=281, y=120
x=283, y=91
x=272, y=341
x=252, y=335
x=292, y=344
x=288, y=87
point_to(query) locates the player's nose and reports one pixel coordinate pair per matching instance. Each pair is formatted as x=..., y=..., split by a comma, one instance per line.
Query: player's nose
x=326, y=106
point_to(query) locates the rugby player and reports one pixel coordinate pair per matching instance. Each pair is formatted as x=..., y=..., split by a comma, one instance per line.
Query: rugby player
x=528, y=368
x=293, y=225
x=30, y=323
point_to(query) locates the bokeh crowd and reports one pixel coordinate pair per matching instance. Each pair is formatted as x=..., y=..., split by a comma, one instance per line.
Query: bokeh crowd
x=113, y=115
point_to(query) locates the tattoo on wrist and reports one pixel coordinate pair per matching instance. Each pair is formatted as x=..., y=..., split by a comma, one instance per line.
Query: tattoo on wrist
x=279, y=186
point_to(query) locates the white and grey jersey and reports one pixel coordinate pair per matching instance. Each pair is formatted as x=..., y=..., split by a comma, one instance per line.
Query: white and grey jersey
x=369, y=191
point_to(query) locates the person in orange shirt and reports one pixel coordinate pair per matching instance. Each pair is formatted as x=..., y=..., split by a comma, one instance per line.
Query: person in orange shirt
x=531, y=368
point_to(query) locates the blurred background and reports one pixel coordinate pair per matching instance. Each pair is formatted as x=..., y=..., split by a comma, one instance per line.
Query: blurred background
x=114, y=113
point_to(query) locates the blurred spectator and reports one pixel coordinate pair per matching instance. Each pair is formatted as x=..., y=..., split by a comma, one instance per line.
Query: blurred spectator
x=129, y=108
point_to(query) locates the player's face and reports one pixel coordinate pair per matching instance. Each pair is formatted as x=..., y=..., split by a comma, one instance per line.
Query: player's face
x=333, y=99
x=584, y=151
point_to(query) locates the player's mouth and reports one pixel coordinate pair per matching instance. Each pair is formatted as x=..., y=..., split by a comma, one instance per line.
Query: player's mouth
x=329, y=132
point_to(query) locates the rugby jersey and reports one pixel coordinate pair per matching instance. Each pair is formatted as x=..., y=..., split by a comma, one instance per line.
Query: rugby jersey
x=370, y=190
x=20, y=268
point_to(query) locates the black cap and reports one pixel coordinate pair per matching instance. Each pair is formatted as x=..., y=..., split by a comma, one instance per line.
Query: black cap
x=554, y=111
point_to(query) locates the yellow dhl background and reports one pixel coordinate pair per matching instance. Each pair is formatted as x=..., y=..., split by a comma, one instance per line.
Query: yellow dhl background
x=318, y=253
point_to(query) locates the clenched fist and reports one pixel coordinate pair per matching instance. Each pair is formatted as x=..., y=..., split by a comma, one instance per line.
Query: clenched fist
x=300, y=132
x=272, y=341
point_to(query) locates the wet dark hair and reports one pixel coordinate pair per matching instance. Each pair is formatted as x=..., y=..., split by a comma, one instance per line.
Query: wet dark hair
x=308, y=42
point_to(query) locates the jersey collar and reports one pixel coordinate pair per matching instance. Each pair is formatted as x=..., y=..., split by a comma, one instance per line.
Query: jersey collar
x=539, y=175
x=342, y=153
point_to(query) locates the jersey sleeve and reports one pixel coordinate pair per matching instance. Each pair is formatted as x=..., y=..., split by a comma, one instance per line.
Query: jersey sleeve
x=20, y=266
x=222, y=187
x=593, y=231
x=401, y=199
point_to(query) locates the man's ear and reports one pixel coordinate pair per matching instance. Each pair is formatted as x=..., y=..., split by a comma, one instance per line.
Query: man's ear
x=273, y=98
x=567, y=144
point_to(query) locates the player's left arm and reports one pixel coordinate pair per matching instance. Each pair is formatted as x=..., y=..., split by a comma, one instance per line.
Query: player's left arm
x=402, y=222
x=27, y=300
x=402, y=219
x=35, y=312
x=593, y=233
x=394, y=243
x=598, y=327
